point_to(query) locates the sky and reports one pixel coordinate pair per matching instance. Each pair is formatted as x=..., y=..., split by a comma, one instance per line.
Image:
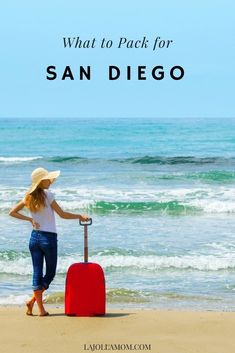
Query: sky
x=31, y=35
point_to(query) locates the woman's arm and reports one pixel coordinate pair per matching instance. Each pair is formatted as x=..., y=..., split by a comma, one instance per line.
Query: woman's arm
x=14, y=212
x=67, y=215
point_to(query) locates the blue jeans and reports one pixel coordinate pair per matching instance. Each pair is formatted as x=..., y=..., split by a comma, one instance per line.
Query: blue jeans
x=43, y=245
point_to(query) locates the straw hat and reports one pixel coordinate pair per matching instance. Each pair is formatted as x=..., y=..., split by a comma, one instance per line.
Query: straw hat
x=40, y=174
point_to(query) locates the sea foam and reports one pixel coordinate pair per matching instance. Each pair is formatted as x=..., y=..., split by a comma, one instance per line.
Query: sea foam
x=23, y=266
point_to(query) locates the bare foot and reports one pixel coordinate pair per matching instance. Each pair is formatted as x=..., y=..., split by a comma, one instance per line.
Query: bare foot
x=44, y=314
x=30, y=305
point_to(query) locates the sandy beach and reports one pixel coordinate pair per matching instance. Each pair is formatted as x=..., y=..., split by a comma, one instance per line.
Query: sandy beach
x=133, y=330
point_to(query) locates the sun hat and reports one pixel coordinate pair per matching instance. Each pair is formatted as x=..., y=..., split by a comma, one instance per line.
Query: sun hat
x=40, y=174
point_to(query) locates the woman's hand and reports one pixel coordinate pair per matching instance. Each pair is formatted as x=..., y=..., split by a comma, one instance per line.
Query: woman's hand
x=84, y=218
x=35, y=224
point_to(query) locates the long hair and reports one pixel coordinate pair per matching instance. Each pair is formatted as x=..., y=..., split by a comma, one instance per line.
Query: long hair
x=35, y=201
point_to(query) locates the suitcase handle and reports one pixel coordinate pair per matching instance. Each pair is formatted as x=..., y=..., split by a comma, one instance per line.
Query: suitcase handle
x=85, y=224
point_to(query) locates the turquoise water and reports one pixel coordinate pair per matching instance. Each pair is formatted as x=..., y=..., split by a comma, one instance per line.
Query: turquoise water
x=161, y=194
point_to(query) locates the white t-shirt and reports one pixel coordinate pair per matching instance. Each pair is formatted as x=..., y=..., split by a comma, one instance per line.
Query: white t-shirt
x=46, y=217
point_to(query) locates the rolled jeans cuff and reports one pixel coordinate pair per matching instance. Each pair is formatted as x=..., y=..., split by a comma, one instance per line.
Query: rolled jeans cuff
x=45, y=286
x=37, y=287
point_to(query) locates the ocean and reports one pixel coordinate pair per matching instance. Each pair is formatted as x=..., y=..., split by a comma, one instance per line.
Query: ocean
x=161, y=193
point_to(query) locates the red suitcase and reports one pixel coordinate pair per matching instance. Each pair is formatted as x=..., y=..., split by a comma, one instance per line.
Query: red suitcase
x=85, y=285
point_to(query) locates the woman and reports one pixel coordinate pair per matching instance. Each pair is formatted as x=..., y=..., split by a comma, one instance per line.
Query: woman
x=43, y=242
